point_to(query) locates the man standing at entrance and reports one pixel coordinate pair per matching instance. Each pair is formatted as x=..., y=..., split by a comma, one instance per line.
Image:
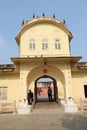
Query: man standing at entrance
x=30, y=97
x=50, y=94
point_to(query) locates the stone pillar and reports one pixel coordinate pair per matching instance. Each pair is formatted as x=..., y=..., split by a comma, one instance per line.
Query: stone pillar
x=68, y=81
x=25, y=87
x=23, y=82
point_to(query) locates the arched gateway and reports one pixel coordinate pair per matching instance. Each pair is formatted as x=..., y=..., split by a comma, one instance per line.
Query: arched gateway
x=44, y=51
x=43, y=72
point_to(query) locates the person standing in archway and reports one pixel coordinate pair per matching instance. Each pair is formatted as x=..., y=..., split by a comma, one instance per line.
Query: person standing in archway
x=50, y=94
x=30, y=97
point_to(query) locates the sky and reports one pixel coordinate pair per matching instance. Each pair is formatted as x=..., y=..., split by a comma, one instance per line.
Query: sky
x=13, y=12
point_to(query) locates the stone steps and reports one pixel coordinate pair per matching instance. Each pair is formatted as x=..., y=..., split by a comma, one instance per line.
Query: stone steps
x=46, y=105
x=47, y=111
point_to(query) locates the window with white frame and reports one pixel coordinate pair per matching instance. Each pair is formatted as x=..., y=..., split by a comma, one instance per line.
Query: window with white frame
x=44, y=44
x=32, y=44
x=57, y=44
x=3, y=93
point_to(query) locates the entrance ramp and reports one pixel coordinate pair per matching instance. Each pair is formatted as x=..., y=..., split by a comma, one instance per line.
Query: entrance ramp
x=43, y=106
x=47, y=108
x=47, y=111
x=46, y=105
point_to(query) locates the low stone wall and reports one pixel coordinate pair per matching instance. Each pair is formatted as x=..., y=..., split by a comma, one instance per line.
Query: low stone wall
x=8, y=107
x=83, y=104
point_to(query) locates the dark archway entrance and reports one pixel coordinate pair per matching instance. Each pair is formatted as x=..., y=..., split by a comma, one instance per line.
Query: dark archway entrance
x=43, y=89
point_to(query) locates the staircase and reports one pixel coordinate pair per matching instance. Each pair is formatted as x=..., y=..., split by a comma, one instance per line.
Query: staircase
x=43, y=106
x=46, y=105
x=46, y=108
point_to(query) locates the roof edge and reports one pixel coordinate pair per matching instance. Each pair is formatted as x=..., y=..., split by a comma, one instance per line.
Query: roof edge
x=33, y=21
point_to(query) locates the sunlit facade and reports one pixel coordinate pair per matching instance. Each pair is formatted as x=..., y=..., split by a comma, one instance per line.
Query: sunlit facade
x=44, y=52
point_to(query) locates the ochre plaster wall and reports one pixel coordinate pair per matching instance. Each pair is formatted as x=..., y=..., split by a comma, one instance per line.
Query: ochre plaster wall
x=12, y=82
x=79, y=79
x=41, y=31
x=33, y=72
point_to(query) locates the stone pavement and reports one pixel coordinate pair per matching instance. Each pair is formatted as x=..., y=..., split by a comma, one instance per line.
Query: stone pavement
x=44, y=119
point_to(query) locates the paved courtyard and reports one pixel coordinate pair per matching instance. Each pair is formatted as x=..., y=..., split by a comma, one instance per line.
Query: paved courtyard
x=44, y=120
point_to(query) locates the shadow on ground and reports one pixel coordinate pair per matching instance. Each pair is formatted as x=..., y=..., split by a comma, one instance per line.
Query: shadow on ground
x=74, y=122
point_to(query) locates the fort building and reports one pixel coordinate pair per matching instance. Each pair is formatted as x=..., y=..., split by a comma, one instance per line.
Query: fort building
x=44, y=52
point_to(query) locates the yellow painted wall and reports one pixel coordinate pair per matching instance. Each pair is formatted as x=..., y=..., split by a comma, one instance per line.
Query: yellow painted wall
x=68, y=83
x=12, y=82
x=79, y=79
x=41, y=31
x=16, y=91
x=52, y=72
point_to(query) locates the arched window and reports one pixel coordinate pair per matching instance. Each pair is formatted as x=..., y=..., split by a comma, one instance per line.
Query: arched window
x=32, y=44
x=57, y=44
x=44, y=44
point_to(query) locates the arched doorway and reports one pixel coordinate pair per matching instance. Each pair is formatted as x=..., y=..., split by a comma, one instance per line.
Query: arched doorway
x=41, y=87
x=55, y=74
